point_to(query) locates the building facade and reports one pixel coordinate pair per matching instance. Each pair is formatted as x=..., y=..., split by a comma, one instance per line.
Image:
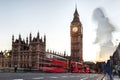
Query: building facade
x=116, y=56
x=28, y=53
x=76, y=34
x=5, y=59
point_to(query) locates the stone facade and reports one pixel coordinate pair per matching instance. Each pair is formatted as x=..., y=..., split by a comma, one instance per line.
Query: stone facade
x=76, y=32
x=28, y=53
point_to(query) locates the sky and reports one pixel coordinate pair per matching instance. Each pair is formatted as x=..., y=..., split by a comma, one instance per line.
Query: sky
x=53, y=18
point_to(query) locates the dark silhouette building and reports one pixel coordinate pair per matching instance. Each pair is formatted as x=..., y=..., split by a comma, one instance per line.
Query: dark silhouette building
x=116, y=56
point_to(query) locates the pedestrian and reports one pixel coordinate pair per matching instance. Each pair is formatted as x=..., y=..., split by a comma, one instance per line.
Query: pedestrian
x=109, y=69
x=113, y=71
x=118, y=69
x=103, y=65
x=15, y=68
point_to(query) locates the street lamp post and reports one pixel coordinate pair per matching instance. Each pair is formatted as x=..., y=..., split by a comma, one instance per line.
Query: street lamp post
x=6, y=55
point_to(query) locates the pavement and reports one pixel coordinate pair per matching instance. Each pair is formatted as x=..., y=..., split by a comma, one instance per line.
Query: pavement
x=114, y=78
x=106, y=77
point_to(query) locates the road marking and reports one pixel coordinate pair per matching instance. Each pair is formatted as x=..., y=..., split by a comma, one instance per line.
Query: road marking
x=64, y=76
x=71, y=76
x=84, y=78
x=38, y=78
x=17, y=79
x=53, y=77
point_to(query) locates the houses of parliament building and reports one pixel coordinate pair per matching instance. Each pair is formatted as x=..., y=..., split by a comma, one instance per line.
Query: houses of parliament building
x=31, y=51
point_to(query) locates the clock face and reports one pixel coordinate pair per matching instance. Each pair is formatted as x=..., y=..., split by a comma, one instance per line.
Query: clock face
x=74, y=29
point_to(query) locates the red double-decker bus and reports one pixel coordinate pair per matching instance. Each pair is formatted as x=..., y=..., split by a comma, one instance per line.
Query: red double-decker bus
x=79, y=67
x=61, y=64
x=54, y=65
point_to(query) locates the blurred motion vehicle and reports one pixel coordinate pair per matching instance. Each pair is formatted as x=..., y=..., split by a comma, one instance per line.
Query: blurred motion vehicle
x=55, y=63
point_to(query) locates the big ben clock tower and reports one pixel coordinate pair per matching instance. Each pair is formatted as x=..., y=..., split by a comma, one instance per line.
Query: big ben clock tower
x=76, y=34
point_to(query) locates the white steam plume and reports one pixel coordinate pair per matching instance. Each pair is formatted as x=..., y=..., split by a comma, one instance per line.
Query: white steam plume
x=103, y=33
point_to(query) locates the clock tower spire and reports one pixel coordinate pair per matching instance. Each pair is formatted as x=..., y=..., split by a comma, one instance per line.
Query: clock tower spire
x=76, y=35
x=76, y=16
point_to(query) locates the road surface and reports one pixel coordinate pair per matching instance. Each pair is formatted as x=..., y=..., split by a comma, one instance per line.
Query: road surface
x=48, y=76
